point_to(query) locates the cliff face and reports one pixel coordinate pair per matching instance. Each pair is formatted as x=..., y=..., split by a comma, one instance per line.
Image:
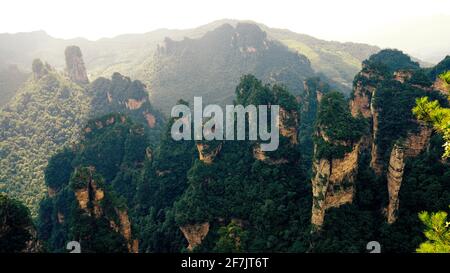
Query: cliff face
x=411, y=147
x=207, y=153
x=123, y=95
x=372, y=99
x=441, y=86
x=363, y=91
x=89, y=196
x=288, y=124
x=288, y=127
x=195, y=234
x=75, y=65
x=332, y=183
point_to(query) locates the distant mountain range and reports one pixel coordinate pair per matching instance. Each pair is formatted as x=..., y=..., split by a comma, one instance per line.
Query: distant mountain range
x=131, y=54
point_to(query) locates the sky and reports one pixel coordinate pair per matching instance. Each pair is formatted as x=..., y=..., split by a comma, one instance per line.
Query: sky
x=387, y=23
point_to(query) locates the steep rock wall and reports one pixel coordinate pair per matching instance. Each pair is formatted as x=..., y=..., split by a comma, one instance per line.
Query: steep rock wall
x=332, y=183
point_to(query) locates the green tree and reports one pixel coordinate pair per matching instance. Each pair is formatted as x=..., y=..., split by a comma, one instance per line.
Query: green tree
x=15, y=225
x=231, y=238
x=433, y=113
x=437, y=232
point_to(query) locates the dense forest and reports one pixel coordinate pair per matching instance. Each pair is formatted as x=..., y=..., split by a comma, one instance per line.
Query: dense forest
x=95, y=162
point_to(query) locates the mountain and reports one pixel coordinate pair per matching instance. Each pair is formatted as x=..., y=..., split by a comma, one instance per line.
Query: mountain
x=48, y=113
x=371, y=168
x=82, y=204
x=211, y=66
x=377, y=181
x=130, y=54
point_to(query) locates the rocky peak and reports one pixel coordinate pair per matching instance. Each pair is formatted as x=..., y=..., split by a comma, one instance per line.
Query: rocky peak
x=332, y=183
x=403, y=75
x=75, y=65
x=90, y=194
x=195, y=234
x=412, y=146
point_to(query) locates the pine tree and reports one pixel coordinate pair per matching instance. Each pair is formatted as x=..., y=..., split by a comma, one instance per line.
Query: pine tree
x=437, y=232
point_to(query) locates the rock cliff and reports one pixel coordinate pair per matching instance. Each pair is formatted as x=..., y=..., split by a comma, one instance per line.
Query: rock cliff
x=75, y=65
x=195, y=234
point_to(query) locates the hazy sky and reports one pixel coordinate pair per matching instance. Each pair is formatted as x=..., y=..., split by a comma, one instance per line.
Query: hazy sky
x=342, y=20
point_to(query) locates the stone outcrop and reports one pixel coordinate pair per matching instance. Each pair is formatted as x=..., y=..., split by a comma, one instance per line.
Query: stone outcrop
x=332, y=183
x=288, y=123
x=89, y=199
x=75, y=65
x=363, y=92
x=124, y=228
x=403, y=75
x=133, y=104
x=207, y=153
x=90, y=194
x=195, y=234
x=411, y=147
x=151, y=120
x=441, y=86
x=394, y=179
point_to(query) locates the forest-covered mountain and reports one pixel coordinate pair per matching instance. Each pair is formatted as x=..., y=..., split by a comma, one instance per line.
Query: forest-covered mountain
x=93, y=160
x=211, y=66
x=133, y=54
x=373, y=168
x=47, y=114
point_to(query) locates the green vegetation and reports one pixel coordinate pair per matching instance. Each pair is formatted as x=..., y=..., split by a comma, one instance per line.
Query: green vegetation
x=432, y=112
x=445, y=77
x=337, y=129
x=16, y=225
x=437, y=233
x=394, y=60
x=211, y=67
x=111, y=155
x=45, y=115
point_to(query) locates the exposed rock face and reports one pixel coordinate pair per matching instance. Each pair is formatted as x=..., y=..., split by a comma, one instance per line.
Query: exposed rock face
x=288, y=122
x=411, y=147
x=133, y=104
x=207, y=153
x=361, y=101
x=332, y=183
x=394, y=178
x=376, y=162
x=124, y=227
x=363, y=92
x=151, y=120
x=195, y=234
x=75, y=65
x=402, y=75
x=91, y=194
x=89, y=199
x=441, y=86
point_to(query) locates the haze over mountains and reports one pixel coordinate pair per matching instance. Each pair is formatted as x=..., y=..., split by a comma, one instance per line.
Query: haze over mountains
x=86, y=145
x=134, y=54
